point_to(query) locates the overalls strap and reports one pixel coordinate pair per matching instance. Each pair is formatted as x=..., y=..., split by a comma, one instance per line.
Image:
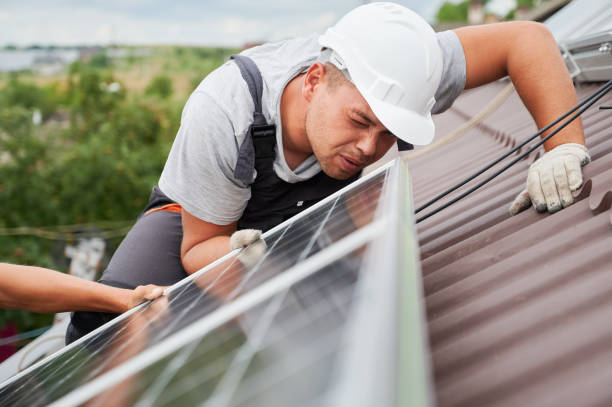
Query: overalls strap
x=260, y=141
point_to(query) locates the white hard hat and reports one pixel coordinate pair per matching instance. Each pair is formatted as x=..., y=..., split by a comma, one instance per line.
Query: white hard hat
x=393, y=58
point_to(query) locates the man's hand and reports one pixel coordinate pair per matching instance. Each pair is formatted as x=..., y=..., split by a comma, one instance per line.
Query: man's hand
x=144, y=293
x=552, y=178
x=252, y=245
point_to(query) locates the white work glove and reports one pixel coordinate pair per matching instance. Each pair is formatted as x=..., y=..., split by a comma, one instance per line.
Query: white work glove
x=251, y=243
x=552, y=178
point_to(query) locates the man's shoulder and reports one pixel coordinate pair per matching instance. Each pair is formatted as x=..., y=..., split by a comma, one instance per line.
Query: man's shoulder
x=224, y=92
x=280, y=61
x=273, y=59
x=453, y=71
x=278, y=58
x=286, y=52
x=226, y=88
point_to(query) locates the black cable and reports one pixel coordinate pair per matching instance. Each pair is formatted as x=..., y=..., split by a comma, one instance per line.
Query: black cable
x=592, y=99
x=497, y=161
x=605, y=107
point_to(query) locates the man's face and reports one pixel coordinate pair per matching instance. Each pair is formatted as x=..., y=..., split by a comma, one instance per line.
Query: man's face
x=343, y=132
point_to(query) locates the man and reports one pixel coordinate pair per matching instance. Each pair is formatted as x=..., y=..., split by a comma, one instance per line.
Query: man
x=283, y=125
x=42, y=290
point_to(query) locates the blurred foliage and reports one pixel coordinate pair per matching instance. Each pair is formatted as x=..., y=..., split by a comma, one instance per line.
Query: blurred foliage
x=524, y=4
x=99, y=150
x=100, y=60
x=160, y=86
x=25, y=95
x=451, y=12
x=457, y=12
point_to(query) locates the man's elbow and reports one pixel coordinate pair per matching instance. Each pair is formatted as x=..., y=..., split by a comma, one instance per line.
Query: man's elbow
x=196, y=256
x=533, y=47
x=187, y=262
x=529, y=32
x=189, y=248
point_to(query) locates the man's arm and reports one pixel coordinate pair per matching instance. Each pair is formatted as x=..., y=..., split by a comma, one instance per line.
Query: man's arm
x=528, y=53
x=47, y=291
x=204, y=242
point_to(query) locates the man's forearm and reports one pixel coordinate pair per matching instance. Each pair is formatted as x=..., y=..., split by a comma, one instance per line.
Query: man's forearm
x=204, y=253
x=47, y=291
x=220, y=281
x=534, y=63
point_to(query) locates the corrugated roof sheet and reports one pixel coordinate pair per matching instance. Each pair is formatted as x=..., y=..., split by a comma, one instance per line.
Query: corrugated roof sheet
x=519, y=308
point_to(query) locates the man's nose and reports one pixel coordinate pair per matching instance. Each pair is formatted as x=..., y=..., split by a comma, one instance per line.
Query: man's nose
x=366, y=143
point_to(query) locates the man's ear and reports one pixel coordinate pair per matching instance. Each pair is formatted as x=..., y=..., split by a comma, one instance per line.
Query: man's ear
x=313, y=80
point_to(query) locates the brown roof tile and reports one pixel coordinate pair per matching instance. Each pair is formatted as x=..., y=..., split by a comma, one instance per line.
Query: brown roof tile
x=519, y=308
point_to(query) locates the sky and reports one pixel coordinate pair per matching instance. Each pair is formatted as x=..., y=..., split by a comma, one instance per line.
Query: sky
x=185, y=22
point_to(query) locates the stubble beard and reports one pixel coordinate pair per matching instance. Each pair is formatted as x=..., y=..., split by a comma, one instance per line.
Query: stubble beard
x=312, y=128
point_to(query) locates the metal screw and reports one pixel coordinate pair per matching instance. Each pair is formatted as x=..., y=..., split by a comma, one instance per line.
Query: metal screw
x=605, y=48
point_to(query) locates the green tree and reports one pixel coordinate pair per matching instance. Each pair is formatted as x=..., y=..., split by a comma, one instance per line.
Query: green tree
x=100, y=60
x=29, y=96
x=98, y=165
x=451, y=12
x=160, y=86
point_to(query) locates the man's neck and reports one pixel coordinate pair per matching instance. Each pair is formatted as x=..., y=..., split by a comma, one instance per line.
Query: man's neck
x=296, y=147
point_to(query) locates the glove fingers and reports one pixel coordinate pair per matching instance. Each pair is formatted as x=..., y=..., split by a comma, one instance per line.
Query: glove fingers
x=535, y=190
x=574, y=174
x=561, y=180
x=243, y=238
x=251, y=255
x=520, y=203
x=547, y=181
x=553, y=177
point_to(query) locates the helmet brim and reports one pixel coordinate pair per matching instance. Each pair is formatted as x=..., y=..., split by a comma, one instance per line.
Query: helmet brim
x=403, y=123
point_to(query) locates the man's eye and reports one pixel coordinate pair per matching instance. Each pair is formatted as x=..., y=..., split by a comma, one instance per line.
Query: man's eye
x=359, y=123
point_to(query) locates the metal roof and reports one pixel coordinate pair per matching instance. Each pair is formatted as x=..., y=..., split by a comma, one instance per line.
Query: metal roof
x=519, y=308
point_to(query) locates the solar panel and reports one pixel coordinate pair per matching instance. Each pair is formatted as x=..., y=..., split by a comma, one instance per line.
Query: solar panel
x=260, y=356
x=274, y=334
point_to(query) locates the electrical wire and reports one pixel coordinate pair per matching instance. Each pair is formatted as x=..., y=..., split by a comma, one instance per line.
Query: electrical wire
x=601, y=90
x=48, y=338
x=63, y=232
x=24, y=335
x=584, y=105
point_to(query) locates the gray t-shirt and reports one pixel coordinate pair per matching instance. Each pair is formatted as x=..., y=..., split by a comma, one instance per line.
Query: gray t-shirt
x=199, y=172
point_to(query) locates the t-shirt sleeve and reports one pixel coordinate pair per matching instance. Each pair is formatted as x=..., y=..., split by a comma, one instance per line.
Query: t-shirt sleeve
x=453, y=71
x=199, y=171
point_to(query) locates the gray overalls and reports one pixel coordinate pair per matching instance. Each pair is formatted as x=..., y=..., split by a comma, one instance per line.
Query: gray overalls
x=150, y=253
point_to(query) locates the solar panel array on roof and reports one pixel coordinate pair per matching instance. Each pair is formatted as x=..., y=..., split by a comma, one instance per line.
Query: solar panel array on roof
x=589, y=58
x=581, y=18
x=277, y=334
